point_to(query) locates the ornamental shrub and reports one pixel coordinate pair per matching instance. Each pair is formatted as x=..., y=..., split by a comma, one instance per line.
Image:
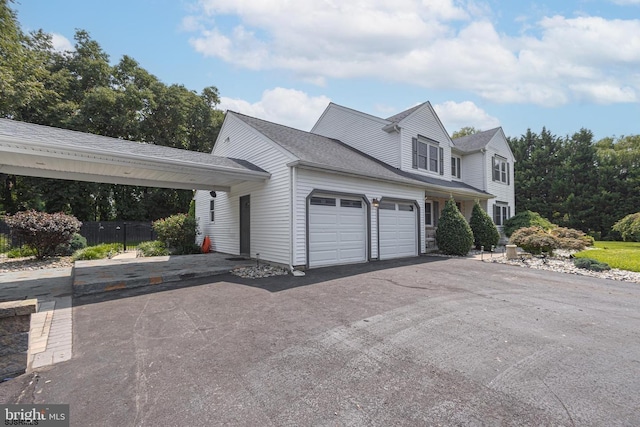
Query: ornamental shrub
x=77, y=242
x=178, y=232
x=526, y=219
x=629, y=227
x=591, y=264
x=43, y=232
x=101, y=251
x=534, y=240
x=571, y=239
x=485, y=232
x=153, y=248
x=454, y=235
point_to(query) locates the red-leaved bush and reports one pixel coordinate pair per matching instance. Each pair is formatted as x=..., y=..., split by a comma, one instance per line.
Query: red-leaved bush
x=43, y=231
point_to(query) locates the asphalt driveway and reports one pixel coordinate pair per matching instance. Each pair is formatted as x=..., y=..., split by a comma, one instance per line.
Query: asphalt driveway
x=432, y=341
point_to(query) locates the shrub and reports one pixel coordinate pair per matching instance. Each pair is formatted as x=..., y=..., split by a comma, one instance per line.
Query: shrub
x=178, y=232
x=5, y=243
x=629, y=227
x=42, y=231
x=77, y=242
x=104, y=250
x=571, y=239
x=21, y=252
x=534, y=240
x=153, y=248
x=454, y=235
x=526, y=219
x=485, y=232
x=591, y=264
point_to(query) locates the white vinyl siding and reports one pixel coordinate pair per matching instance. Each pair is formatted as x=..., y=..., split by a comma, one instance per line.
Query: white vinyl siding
x=270, y=200
x=361, y=131
x=504, y=192
x=474, y=172
x=309, y=180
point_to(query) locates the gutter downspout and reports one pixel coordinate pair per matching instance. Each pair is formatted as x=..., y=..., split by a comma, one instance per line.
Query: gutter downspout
x=292, y=210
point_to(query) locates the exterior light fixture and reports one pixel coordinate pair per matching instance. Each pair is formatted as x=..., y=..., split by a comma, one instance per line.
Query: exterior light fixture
x=212, y=194
x=375, y=203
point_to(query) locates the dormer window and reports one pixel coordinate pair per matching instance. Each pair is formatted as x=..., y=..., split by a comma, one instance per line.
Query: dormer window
x=428, y=155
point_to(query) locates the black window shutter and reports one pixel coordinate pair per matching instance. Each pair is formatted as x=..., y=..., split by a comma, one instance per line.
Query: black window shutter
x=414, y=142
x=436, y=213
x=441, y=161
x=508, y=175
x=496, y=214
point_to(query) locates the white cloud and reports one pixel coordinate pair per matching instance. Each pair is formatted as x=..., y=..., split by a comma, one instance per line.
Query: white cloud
x=61, y=43
x=430, y=43
x=456, y=115
x=289, y=107
x=626, y=2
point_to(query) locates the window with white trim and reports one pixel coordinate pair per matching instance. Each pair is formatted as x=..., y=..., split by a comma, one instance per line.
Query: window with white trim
x=428, y=155
x=501, y=213
x=212, y=205
x=500, y=169
x=455, y=167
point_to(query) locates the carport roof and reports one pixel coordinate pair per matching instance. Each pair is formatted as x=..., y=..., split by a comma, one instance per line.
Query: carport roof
x=319, y=152
x=36, y=150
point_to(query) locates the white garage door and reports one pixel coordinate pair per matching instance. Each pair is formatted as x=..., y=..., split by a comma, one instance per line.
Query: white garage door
x=398, y=230
x=337, y=231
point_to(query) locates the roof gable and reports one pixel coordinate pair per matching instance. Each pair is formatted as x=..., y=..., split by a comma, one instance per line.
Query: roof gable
x=476, y=141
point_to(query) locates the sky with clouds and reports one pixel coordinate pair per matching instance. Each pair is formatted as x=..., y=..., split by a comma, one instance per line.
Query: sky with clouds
x=520, y=64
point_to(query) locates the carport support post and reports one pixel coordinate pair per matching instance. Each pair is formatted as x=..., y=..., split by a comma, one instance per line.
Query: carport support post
x=124, y=237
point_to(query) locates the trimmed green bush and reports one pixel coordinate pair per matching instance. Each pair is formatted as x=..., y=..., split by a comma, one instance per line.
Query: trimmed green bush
x=571, y=239
x=104, y=250
x=5, y=243
x=454, y=235
x=526, y=219
x=629, y=227
x=534, y=240
x=178, y=232
x=153, y=248
x=591, y=264
x=42, y=231
x=485, y=232
x=21, y=252
x=77, y=242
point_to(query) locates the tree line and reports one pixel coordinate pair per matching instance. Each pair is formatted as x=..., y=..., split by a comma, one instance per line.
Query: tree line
x=578, y=182
x=80, y=90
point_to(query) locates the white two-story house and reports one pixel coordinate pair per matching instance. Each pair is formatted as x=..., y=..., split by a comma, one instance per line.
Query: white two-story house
x=356, y=188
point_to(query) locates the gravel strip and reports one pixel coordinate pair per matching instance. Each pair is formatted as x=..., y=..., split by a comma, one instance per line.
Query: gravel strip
x=565, y=265
x=259, y=272
x=8, y=265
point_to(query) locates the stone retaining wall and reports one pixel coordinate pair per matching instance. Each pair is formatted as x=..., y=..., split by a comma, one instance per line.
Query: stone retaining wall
x=15, y=322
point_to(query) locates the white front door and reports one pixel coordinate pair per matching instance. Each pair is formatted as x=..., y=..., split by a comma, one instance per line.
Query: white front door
x=337, y=231
x=398, y=224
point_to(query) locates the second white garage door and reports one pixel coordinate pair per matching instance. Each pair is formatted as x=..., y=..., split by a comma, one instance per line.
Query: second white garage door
x=398, y=230
x=337, y=231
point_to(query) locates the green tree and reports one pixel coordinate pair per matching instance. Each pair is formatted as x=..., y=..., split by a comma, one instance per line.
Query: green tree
x=485, y=232
x=465, y=131
x=454, y=235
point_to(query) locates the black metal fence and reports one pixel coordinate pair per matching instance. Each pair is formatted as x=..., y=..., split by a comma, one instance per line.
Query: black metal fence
x=130, y=233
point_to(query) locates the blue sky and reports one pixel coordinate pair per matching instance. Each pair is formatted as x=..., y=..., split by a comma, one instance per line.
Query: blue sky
x=517, y=64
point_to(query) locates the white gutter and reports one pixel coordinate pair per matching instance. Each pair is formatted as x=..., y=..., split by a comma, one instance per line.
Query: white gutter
x=435, y=187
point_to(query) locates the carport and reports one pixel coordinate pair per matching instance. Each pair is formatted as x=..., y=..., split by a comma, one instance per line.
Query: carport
x=47, y=152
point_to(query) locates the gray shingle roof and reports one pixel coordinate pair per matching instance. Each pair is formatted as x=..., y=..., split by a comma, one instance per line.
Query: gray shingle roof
x=334, y=154
x=475, y=141
x=397, y=118
x=61, y=138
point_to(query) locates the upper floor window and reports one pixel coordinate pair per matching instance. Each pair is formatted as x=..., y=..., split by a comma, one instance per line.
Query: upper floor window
x=500, y=169
x=455, y=167
x=428, y=155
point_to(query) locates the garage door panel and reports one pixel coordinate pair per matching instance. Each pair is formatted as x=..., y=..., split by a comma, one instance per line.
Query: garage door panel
x=398, y=231
x=337, y=234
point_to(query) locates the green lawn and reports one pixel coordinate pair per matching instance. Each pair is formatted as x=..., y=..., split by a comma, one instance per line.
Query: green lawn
x=622, y=255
